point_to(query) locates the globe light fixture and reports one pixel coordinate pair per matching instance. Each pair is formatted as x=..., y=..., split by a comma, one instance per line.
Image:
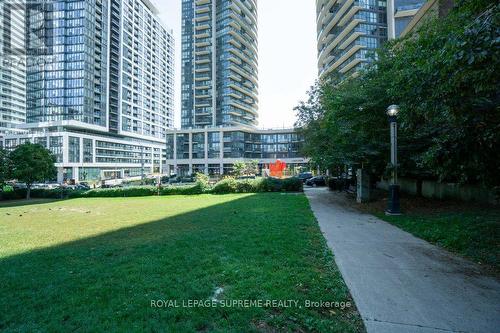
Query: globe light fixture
x=393, y=110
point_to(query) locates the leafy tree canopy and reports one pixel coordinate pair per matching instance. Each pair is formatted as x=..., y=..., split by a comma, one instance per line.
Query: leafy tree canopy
x=32, y=163
x=444, y=77
x=4, y=166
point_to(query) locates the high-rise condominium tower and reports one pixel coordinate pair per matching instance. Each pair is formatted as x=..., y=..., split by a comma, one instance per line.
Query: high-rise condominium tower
x=99, y=86
x=86, y=40
x=349, y=31
x=12, y=66
x=219, y=63
x=399, y=15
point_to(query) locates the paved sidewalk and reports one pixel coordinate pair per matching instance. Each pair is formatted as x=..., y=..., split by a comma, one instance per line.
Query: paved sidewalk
x=401, y=283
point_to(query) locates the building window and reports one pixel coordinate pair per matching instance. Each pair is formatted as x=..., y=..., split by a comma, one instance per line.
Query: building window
x=55, y=147
x=74, y=149
x=88, y=151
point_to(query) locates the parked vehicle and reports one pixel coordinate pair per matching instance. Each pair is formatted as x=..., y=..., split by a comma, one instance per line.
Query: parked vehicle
x=187, y=179
x=83, y=186
x=316, y=181
x=19, y=186
x=303, y=176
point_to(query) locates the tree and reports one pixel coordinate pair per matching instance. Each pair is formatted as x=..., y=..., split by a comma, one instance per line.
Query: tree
x=251, y=167
x=444, y=77
x=239, y=168
x=4, y=166
x=32, y=163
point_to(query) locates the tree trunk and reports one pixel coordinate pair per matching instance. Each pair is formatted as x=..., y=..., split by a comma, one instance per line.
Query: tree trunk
x=28, y=191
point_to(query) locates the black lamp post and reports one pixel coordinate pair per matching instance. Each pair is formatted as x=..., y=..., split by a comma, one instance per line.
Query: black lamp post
x=393, y=207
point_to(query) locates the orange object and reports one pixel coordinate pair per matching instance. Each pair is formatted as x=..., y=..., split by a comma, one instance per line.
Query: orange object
x=276, y=169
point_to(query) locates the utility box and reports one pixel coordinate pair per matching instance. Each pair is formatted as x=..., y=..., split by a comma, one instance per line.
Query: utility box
x=363, y=186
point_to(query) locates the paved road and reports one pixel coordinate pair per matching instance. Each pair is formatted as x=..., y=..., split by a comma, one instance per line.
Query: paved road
x=401, y=283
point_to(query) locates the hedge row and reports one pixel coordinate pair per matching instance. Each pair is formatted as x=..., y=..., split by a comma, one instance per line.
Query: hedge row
x=227, y=185
x=142, y=191
x=39, y=193
x=231, y=185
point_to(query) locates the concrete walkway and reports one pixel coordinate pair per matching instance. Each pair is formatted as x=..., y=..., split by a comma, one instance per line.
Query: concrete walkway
x=401, y=283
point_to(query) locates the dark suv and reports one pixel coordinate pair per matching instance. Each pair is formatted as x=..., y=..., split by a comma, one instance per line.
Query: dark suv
x=304, y=176
x=316, y=181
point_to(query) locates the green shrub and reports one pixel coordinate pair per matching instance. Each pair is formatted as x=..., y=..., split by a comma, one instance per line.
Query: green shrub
x=182, y=190
x=231, y=185
x=269, y=185
x=201, y=181
x=292, y=184
x=58, y=193
x=246, y=186
x=226, y=185
x=141, y=191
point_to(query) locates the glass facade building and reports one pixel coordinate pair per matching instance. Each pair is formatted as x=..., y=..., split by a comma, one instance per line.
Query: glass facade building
x=99, y=86
x=399, y=15
x=12, y=66
x=84, y=40
x=143, y=52
x=220, y=93
x=348, y=33
x=68, y=81
x=214, y=150
x=219, y=63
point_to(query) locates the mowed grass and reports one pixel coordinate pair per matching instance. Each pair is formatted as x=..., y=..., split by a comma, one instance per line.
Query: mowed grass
x=472, y=233
x=96, y=265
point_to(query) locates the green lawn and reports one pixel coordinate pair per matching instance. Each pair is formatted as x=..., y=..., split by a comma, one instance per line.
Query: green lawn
x=96, y=265
x=472, y=233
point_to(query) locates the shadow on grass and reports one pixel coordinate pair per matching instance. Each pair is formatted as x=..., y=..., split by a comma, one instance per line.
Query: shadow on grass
x=24, y=202
x=263, y=246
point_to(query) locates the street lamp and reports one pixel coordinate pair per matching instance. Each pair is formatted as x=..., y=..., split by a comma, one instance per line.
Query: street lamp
x=393, y=205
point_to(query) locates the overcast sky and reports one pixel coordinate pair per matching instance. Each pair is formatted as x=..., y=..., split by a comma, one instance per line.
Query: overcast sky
x=287, y=56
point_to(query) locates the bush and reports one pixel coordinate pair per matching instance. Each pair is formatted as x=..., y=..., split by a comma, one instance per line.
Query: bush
x=246, y=186
x=292, y=184
x=269, y=185
x=231, y=185
x=58, y=193
x=226, y=185
x=141, y=191
x=202, y=182
x=182, y=190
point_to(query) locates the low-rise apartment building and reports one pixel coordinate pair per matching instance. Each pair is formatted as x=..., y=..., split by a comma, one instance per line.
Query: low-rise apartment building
x=214, y=150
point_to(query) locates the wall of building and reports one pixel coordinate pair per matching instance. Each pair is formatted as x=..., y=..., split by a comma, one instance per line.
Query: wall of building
x=99, y=87
x=12, y=67
x=215, y=150
x=92, y=157
x=348, y=32
x=219, y=63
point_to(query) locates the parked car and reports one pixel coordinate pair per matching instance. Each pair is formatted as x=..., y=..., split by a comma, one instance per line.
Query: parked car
x=83, y=186
x=187, y=179
x=316, y=181
x=52, y=185
x=19, y=186
x=303, y=176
